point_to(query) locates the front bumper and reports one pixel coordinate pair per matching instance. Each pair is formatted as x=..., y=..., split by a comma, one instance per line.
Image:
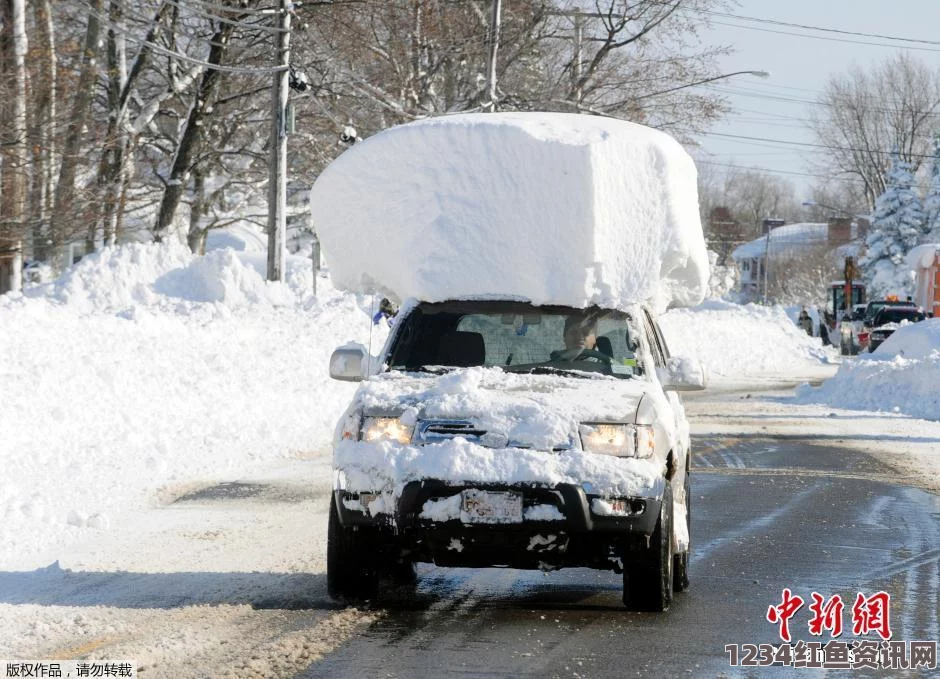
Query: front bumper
x=578, y=537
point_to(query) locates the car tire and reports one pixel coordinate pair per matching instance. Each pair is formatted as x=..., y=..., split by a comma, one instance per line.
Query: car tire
x=648, y=575
x=680, y=565
x=351, y=567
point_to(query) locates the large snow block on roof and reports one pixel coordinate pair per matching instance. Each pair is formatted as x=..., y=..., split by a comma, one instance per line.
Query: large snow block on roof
x=556, y=208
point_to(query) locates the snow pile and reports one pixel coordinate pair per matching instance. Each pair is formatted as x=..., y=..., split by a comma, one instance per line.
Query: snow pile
x=733, y=340
x=145, y=367
x=114, y=278
x=221, y=276
x=721, y=279
x=900, y=376
x=554, y=208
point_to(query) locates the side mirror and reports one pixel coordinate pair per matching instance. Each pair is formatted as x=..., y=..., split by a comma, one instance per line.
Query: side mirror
x=349, y=363
x=682, y=374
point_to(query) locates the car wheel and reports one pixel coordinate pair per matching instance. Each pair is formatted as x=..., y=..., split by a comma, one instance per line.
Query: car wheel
x=351, y=572
x=680, y=565
x=648, y=576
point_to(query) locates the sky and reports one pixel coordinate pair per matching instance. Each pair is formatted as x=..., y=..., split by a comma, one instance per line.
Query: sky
x=775, y=108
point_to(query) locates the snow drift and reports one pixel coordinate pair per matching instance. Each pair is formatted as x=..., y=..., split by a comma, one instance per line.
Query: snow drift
x=733, y=340
x=900, y=376
x=143, y=367
x=550, y=207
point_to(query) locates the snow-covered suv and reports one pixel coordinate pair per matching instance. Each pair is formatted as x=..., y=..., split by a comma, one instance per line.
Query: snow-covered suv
x=484, y=435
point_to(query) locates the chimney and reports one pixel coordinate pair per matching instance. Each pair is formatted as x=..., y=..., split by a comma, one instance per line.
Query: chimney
x=839, y=231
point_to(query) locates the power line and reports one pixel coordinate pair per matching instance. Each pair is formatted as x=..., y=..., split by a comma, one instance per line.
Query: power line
x=823, y=29
x=733, y=166
x=812, y=145
x=823, y=37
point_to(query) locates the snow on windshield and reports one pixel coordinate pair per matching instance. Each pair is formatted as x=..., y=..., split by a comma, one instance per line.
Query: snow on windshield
x=554, y=208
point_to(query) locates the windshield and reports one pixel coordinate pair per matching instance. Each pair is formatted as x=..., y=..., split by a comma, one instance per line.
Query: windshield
x=517, y=337
x=889, y=315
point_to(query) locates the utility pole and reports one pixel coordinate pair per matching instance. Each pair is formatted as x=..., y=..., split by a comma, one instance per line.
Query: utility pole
x=491, y=55
x=578, y=58
x=767, y=263
x=277, y=168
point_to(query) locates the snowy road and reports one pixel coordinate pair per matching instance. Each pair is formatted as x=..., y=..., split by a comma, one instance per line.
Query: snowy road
x=769, y=513
x=226, y=578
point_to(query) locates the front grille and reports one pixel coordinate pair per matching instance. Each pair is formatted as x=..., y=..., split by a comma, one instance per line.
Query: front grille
x=435, y=431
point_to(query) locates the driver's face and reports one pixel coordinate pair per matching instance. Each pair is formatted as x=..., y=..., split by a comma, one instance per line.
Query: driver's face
x=580, y=336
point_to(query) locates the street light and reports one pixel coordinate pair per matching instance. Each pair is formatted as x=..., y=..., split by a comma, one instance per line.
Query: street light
x=759, y=74
x=812, y=203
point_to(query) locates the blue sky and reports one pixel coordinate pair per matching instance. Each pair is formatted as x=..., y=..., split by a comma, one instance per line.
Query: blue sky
x=799, y=69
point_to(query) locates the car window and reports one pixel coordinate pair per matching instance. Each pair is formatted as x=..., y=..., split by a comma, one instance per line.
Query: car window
x=894, y=315
x=516, y=336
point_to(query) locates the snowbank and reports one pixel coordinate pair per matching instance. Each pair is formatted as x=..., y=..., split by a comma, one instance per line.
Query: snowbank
x=144, y=367
x=901, y=376
x=733, y=340
x=555, y=208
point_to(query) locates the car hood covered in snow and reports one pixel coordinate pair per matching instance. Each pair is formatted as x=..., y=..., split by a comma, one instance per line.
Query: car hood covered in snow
x=532, y=425
x=531, y=411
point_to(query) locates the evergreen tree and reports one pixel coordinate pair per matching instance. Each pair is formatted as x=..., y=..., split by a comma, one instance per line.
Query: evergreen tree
x=898, y=224
x=932, y=200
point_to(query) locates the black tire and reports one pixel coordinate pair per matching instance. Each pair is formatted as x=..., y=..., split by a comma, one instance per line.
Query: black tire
x=680, y=562
x=351, y=561
x=648, y=575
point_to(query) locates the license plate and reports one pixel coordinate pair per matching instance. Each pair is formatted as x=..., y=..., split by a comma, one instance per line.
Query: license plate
x=483, y=506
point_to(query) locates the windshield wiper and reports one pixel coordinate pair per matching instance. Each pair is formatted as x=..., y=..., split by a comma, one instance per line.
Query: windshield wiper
x=552, y=370
x=432, y=369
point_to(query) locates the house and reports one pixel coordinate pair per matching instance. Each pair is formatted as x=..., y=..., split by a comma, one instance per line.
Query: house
x=755, y=260
x=925, y=261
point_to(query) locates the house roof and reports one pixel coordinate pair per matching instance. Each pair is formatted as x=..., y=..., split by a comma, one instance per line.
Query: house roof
x=786, y=238
x=922, y=256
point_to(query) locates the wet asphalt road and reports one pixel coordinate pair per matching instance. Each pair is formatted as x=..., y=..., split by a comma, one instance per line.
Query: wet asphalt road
x=767, y=514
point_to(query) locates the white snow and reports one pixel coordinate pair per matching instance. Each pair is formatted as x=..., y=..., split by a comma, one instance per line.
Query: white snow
x=554, y=208
x=735, y=341
x=119, y=394
x=901, y=376
x=144, y=367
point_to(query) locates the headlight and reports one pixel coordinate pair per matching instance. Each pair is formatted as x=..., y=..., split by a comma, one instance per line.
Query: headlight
x=622, y=440
x=385, y=429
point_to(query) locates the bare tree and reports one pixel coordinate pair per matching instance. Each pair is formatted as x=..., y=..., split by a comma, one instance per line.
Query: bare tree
x=13, y=47
x=867, y=112
x=79, y=118
x=750, y=195
x=803, y=275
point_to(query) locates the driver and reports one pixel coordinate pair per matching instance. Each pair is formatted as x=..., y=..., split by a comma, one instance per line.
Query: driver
x=580, y=335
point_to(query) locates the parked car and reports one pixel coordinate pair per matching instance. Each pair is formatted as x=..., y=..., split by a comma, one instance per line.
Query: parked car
x=856, y=333
x=888, y=319
x=499, y=433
